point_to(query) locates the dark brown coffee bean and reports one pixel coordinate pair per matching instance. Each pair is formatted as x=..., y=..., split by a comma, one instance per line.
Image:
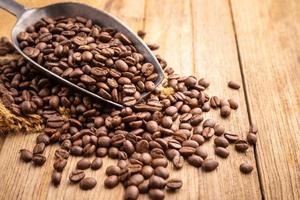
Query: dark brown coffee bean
x=157, y=182
x=200, y=151
x=219, y=129
x=209, y=165
x=195, y=160
x=190, y=143
x=56, y=178
x=178, y=162
x=144, y=187
x=198, y=138
x=231, y=137
x=203, y=82
x=156, y=194
x=172, y=110
x=31, y=52
x=241, y=145
x=221, y=142
x=39, y=148
x=162, y=172
x=76, y=175
x=87, y=183
x=190, y=81
x=43, y=138
x=147, y=171
x=233, y=85
x=187, y=151
x=246, y=168
x=113, y=170
x=38, y=159
x=26, y=155
x=214, y=102
x=111, y=181
x=174, y=184
x=131, y=193
x=76, y=150
x=159, y=162
x=233, y=104
x=209, y=123
x=83, y=164
x=61, y=153
x=208, y=132
x=171, y=153
x=60, y=164
x=135, y=179
x=222, y=152
x=121, y=65
x=225, y=111
x=96, y=164
x=252, y=138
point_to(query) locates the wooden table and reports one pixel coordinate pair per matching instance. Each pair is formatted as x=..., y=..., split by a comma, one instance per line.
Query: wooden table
x=255, y=42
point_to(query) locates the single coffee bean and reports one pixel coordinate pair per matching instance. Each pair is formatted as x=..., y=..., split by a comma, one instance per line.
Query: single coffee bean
x=61, y=153
x=209, y=123
x=174, y=184
x=131, y=193
x=198, y=138
x=76, y=150
x=151, y=126
x=252, y=138
x=147, y=171
x=162, y=172
x=87, y=183
x=156, y=194
x=231, y=137
x=200, y=151
x=219, y=129
x=56, y=178
x=83, y=164
x=113, y=170
x=76, y=175
x=233, y=104
x=159, y=162
x=222, y=152
x=38, y=159
x=187, y=151
x=246, y=168
x=178, y=162
x=203, y=82
x=233, y=85
x=26, y=155
x=135, y=179
x=39, y=148
x=214, y=102
x=221, y=142
x=157, y=182
x=171, y=153
x=208, y=132
x=209, y=165
x=111, y=181
x=96, y=164
x=121, y=65
x=225, y=111
x=144, y=187
x=241, y=145
x=60, y=164
x=195, y=160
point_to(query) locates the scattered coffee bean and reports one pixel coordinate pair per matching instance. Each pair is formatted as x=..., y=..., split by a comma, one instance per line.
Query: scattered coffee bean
x=76, y=175
x=252, y=138
x=87, y=183
x=26, y=155
x=156, y=194
x=38, y=159
x=233, y=104
x=56, y=178
x=209, y=165
x=221, y=142
x=83, y=164
x=246, y=168
x=233, y=85
x=111, y=181
x=222, y=152
x=174, y=184
x=131, y=193
x=225, y=111
x=241, y=145
x=96, y=164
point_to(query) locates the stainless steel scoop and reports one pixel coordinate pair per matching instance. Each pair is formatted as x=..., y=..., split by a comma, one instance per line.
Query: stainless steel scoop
x=27, y=17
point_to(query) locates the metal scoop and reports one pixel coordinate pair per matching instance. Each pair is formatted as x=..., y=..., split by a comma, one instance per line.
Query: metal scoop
x=27, y=17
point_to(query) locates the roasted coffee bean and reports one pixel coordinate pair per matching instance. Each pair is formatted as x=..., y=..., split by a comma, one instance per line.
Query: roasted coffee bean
x=209, y=123
x=214, y=102
x=225, y=111
x=147, y=171
x=38, y=159
x=203, y=82
x=231, y=137
x=233, y=85
x=111, y=181
x=221, y=142
x=198, y=138
x=113, y=170
x=209, y=165
x=222, y=152
x=84, y=163
x=171, y=153
x=195, y=160
x=200, y=151
x=241, y=145
x=96, y=164
x=87, y=183
x=178, y=162
x=60, y=164
x=159, y=162
x=187, y=151
x=76, y=150
x=174, y=184
x=246, y=168
x=252, y=138
x=219, y=129
x=233, y=104
x=144, y=187
x=157, y=182
x=56, y=178
x=135, y=179
x=162, y=172
x=76, y=175
x=39, y=148
x=26, y=155
x=61, y=153
x=156, y=194
x=208, y=132
x=131, y=193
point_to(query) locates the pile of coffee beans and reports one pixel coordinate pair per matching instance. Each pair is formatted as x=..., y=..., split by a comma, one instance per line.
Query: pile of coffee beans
x=99, y=59
x=168, y=127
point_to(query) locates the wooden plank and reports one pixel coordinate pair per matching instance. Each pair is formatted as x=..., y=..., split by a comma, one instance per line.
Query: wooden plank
x=208, y=35
x=24, y=181
x=268, y=34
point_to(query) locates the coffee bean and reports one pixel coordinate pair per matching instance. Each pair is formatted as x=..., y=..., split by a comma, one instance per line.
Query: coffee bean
x=111, y=181
x=209, y=123
x=60, y=164
x=156, y=194
x=61, y=153
x=187, y=151
x=178, y=162
x=39, y=148
x=147, y=171
x=219, y=129
x=121, y=65
x=87, y=183
x=195, y=160
x=159, y=162
x=241, y=145
x=246, y=168
x=38, y=159
x=208, y=132
x=83, y=164
x=135, y=179
x=251, y=138
x=131, y=193
x=209, y=165
x=171, y=153
x=214, y=102
x=157, y=182
x=200, y=151
x=222, y=152
x=233, y=85
x=26, y=155
x=221, y=142
x=225, y=111
x=204, y=82
x=144, y=187
x=96, y=164
x=233, y=104
x=253, y=129
x=76, y=150
x=113, y=170
x=174, y=184
x=76, y=175
x=56, y=178
x=162, y=172
x=231, y=137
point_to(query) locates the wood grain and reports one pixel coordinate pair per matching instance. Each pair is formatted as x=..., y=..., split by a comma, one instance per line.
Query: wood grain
x=268, y=34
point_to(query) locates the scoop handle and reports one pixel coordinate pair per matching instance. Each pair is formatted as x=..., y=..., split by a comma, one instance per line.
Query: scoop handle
x=12, y=7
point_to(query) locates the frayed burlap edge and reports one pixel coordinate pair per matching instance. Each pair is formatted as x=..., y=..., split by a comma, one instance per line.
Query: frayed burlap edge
x=12, y=123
